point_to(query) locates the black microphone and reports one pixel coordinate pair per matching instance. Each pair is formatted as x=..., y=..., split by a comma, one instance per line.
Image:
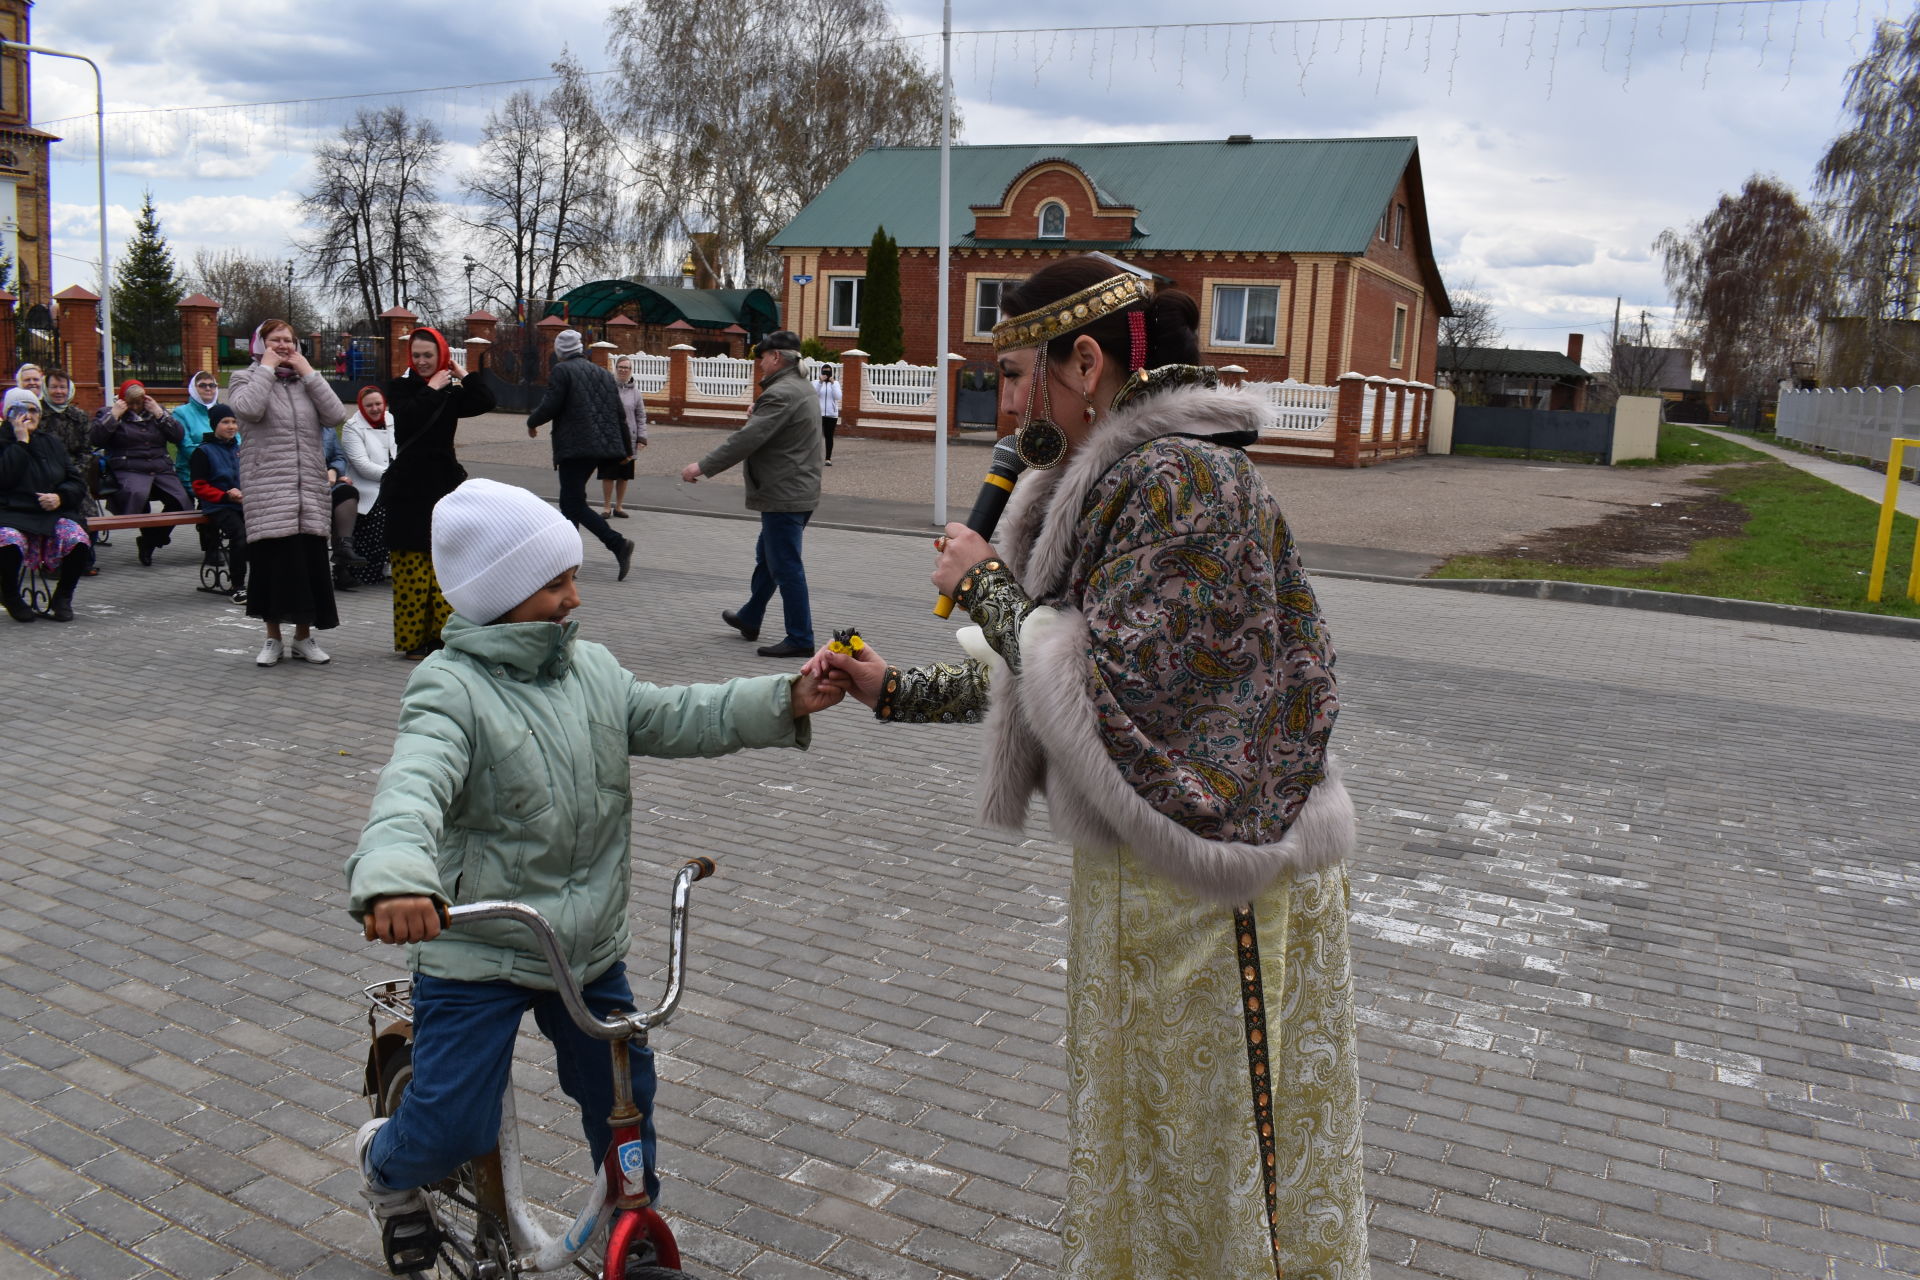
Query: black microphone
x=995, y=489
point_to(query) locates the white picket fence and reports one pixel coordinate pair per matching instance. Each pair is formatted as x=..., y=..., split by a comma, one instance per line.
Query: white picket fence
x=720, y=378
x=897, y=386
x=1861, y=421
x=1299, y=406
x=651, y=372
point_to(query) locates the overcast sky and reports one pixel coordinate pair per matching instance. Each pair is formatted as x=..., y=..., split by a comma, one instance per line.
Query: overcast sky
x=1555, y=148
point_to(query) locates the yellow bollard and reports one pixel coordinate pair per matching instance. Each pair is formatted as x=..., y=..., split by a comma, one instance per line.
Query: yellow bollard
x=1883, y=540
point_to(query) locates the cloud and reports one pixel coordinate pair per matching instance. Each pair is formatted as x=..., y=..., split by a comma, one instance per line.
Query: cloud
x=1537, y=249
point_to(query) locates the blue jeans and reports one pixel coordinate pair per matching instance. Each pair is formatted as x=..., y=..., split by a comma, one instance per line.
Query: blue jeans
x=463, y=1035
x=776, y=563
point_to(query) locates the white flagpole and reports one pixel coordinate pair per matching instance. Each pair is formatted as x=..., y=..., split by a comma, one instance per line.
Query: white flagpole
x=941, y=336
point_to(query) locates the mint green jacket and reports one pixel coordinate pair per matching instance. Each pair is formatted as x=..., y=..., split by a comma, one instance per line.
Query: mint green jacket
x=509, y=779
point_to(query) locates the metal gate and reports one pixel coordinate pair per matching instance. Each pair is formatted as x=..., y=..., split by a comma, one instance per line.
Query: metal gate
x=1534, y=430
x=39, y=339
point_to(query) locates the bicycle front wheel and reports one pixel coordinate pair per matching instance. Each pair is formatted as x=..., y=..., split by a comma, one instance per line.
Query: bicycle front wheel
x=637, y=1245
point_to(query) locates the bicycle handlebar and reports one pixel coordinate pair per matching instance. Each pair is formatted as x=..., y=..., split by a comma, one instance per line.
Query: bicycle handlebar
x=621, y=1026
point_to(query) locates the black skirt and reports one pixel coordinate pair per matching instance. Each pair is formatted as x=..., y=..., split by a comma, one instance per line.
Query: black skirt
x=615, y=470
x=290, y=581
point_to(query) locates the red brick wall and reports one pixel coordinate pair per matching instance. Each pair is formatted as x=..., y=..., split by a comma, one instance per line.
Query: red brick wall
x=1019, y=218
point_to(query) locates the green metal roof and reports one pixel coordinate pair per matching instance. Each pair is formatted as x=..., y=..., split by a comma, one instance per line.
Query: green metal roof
x=1510, y=360
x=1275, y=195
x=752, y=309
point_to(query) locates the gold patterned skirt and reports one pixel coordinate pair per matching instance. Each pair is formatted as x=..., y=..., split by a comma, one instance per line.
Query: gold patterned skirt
x=419, y=610
x=1214, y=1097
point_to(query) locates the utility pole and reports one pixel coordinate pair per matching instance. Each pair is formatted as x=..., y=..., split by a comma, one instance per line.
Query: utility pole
x=1613, y=349
x=290, y=291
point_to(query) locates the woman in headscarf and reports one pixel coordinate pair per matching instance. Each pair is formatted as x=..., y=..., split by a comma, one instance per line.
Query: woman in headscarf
x=202, y=391
x=367, y=440
x=41, y=526
x=633, y=429
x=1158, y=667
x=30, y=377
x=61, y=417
x=427, y=402
x=285, y=407
x=135, y=431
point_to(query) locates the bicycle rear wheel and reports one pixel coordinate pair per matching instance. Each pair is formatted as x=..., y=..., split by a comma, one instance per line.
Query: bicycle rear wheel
x=467, y=1205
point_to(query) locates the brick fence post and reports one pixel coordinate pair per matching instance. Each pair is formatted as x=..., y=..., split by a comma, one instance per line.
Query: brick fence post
x=1232, y=375
x=399, y=322
x=79, y=326
x=624, y=333
x=601, y=353
x=9, y=336
x=482, y=324
x=954, y=364
x=853, y=382
x=1400, y=393
x=549, y=328
x=679, y=380
x=1346, y=420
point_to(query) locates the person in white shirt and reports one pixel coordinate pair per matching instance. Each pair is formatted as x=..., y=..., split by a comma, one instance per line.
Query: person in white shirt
x=829, y=392
x=367, y=440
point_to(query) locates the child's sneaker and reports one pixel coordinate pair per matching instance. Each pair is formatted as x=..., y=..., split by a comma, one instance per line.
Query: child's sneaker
x=408, y=1235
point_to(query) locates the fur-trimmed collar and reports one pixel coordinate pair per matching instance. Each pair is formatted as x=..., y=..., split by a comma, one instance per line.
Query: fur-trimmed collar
x=1040, y=527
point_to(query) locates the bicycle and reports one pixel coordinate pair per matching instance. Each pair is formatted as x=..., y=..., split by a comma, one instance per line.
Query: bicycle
x=485, y=1225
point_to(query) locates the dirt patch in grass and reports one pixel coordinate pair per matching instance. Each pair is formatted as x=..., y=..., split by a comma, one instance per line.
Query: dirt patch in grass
x=1633, y=537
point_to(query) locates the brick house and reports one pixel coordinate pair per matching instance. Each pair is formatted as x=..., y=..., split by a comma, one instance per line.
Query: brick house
x=1309, y=257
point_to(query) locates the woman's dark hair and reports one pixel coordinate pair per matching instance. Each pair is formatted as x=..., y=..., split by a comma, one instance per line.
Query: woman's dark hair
x=1173, y=318
x=53, y=371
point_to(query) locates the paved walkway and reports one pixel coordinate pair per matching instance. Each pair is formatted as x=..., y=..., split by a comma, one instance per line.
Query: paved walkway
x=1871, y=485
x=1633, y=921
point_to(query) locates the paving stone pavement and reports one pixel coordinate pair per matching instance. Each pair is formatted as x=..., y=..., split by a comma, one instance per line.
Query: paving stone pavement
x=1633, y=920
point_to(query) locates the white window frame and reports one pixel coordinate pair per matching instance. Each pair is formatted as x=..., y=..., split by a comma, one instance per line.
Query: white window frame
x=980, y=311
x=859, y=284
x=1397, y=352
x=1399, y=224
x=1214, y=337
x=1040, y=221
x=1380, y=232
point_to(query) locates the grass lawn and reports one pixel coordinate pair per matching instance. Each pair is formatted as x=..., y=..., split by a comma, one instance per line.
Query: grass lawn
x=1806, y=542
x=1679, y=446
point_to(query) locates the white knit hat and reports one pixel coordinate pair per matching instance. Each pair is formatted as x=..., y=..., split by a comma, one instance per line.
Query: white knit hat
x=496, y=544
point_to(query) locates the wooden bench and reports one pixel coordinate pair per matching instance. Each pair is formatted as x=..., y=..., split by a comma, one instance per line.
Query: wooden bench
x=38, y=588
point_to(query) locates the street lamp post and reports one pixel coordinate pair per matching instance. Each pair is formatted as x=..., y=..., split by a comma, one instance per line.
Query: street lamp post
x=100, y=156
x=289, y=290
x=471, y=264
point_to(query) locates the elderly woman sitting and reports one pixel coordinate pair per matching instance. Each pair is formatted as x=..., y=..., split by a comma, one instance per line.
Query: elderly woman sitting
x=135, y=431
x=40, y=522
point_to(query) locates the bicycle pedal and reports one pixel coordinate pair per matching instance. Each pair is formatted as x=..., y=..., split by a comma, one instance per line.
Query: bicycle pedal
x=411, y=1242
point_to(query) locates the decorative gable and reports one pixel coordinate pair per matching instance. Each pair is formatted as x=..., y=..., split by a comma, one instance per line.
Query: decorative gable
x=1054, y=199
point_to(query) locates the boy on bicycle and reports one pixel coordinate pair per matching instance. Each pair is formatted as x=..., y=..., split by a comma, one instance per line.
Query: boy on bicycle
x=509, y=779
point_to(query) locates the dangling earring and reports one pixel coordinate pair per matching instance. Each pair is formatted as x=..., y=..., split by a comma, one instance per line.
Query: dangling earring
x=1040, y=442
x=1086, y=414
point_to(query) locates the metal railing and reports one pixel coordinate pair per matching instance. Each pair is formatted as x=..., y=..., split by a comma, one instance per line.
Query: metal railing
x=897, y=386
x=1862, y=421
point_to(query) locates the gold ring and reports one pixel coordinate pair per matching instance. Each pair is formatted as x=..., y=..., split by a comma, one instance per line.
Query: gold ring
x=940, y=543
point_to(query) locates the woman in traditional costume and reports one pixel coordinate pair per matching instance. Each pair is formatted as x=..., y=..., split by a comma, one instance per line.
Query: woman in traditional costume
x=1159, y=669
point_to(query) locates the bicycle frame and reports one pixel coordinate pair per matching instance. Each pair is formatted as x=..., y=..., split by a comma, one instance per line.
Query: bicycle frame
x=619, y=1182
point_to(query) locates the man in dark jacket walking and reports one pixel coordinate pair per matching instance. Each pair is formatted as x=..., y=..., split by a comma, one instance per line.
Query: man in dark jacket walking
x=583, y=403
x=781, y=446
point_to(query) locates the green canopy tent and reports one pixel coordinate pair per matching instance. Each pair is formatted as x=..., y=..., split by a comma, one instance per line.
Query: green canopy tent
x=753, y=310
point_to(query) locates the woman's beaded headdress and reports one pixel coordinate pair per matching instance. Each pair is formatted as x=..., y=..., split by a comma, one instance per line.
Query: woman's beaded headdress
x=1075, y=311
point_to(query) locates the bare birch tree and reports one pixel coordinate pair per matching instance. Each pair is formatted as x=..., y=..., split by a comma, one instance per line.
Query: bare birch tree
x=735, y=113
x=1750, y=279
x=372, y=214
x=1873, y=204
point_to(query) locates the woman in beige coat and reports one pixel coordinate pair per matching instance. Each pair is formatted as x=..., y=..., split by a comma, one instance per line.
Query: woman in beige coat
x=285, y=407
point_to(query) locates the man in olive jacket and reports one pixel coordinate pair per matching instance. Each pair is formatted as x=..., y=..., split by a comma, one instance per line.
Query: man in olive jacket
x=781, y=446
x=583, y=403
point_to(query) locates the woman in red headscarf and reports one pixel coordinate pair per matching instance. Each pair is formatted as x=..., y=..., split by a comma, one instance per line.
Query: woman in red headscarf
x=427, y=403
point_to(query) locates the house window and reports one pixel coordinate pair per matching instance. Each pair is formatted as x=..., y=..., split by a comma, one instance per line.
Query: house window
x=1385, y=216
x=986, y=304
x=843, y=302
x=1399, y=224
x=1245, y=315
x=1399, y=336
x=1053, y=221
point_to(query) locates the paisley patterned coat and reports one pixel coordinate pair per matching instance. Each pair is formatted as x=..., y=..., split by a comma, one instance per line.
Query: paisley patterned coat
x=1173, y=690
